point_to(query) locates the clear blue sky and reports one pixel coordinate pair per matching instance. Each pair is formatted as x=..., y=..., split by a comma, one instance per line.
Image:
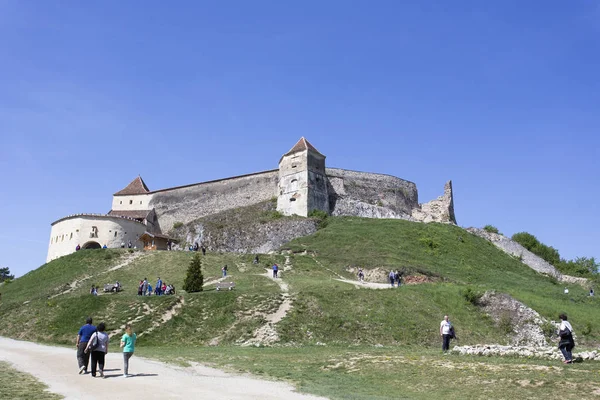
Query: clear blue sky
x=502, y=97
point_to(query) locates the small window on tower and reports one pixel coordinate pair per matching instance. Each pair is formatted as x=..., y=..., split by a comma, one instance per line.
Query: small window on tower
x=294, y=165
x=292, y=199
x=115, y=233
x=140, y=202
x=130, y=201
x=121, y=202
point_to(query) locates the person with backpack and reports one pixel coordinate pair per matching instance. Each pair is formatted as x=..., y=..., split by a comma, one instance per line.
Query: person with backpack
x=128, y=345
x=392, y=277
x=83, y=337
x=224, y=269
x=98, y=347
x=275, y=269
x=566, y=342
x=446, y=332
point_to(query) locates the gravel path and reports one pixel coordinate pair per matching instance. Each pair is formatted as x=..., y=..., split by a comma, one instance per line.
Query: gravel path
x=57, y=367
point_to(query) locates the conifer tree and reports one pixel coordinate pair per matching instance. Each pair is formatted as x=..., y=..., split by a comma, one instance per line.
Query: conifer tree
x=194, y=279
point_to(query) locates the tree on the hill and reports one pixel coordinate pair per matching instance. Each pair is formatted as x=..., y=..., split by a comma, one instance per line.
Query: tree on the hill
x=5, y=274
x=491, y=229
x=194, y=279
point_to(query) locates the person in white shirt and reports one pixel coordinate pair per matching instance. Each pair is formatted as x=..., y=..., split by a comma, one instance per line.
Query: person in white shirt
x=566, y=342
x=566, y=290
x=445, y=333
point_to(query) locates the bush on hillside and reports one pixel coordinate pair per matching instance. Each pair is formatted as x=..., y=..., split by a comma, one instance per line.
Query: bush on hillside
x=491, y=229
x=194, y=280
x=472, y=296
x=531, y=243
x=581, y=266
x=177, y=225
x=320, y=215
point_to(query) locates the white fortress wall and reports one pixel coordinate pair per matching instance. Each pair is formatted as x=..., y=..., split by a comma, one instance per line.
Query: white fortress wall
x=86, y=229
x=187, y=203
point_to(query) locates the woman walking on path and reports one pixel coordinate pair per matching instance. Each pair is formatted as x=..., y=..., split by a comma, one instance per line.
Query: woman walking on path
x=128, y=345
x=566, y=342
x=99, y=352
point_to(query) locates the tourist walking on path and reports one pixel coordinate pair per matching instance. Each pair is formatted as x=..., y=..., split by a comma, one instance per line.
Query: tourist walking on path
x=392, y=277
x=203, y=250
x=361, y=276
x=275, y=269
x=446, y=333
x=566, y=342
x=144, y=287
x=224, y=269
x=99, y=351
x=128, y=345
x=83, y=337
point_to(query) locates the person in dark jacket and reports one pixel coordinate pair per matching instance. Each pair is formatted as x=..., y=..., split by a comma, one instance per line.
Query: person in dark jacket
x=566, y=342
x=83, y=337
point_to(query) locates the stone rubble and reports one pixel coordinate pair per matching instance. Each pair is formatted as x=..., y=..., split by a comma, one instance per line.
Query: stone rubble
x=543, y=352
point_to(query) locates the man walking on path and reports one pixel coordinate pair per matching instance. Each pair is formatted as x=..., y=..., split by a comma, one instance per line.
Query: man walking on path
x=224, y=269
x=83, y=337
x=275, y=269
x=392, y=278
x=446, y=333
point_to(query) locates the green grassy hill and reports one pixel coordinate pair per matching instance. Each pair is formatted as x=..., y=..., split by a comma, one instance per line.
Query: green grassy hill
x=37, y=306
x=50, y=304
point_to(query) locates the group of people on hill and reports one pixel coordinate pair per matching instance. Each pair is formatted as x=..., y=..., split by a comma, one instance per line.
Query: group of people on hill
x=145, y=288
x=395, y=277
x=92, y=343
x=197, y=247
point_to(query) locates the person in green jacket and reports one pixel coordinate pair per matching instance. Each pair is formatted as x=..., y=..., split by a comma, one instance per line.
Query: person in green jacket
x=128, y=345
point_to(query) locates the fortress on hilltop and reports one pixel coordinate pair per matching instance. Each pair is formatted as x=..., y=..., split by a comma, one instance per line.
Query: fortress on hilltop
x=301, y=184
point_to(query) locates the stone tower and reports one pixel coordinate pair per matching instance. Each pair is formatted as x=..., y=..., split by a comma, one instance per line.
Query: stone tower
x=302, y=181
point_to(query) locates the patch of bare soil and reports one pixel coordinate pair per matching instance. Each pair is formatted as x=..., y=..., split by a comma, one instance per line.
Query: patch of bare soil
x=167, y=316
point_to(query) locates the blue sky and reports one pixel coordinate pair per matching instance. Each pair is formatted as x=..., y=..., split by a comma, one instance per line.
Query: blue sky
x=502, y=97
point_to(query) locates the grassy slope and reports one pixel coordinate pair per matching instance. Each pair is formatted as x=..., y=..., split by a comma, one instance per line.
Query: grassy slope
x=17, y=385
x=404, y=320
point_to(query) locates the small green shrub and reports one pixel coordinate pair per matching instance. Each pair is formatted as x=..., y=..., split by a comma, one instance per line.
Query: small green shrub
x=505, y=323
x=548, y=329
x=491, y=229
x=586, y=329
x=379, y=203
x=273, y=199
x=472, y=296
x=320, y=215
x=429, y=242
x=177, y=225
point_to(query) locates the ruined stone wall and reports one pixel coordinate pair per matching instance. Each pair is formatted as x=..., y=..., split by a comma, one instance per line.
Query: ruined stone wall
x=187, y=203
x=438, y=210
x=370, y=195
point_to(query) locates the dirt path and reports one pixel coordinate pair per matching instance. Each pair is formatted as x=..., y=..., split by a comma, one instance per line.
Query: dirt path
x=57, y=367
x=368, y=285
x=267, y=334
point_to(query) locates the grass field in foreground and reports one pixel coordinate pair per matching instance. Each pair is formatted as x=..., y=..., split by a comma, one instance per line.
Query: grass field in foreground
x=371, y=373
x=17, y=385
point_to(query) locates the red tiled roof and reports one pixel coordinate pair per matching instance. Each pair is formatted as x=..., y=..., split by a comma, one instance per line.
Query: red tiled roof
x=137, y=186
x=302, y=145
x=135, y=214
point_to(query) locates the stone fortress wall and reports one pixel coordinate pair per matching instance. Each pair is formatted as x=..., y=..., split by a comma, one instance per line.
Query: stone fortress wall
x=301, y=183
x=187, y=203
